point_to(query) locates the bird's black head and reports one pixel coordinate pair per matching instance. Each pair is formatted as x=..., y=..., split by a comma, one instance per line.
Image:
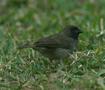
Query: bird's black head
x=72, y=31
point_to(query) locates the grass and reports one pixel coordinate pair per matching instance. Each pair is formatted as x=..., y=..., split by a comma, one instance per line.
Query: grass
x=28, y=21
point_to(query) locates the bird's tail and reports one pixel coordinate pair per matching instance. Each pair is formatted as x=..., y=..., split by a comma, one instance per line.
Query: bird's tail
x=26, y=45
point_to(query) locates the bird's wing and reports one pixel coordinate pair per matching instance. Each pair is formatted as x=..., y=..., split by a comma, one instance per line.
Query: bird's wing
x=54, y=41
x=47, y=42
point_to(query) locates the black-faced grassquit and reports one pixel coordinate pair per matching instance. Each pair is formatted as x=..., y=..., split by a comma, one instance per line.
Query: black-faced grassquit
x=57, y=46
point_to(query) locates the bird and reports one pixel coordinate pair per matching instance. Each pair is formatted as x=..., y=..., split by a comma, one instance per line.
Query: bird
x=59, y=45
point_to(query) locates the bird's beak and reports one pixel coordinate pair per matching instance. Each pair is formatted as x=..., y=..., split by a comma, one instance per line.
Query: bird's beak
x=80, y=31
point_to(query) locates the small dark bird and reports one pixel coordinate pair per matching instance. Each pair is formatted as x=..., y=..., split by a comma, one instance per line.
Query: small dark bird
x=57, y=46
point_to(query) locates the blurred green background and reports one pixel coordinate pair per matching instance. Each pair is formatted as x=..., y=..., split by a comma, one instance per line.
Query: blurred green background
x=29, y=20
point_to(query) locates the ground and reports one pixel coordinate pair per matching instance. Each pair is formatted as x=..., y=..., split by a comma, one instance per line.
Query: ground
x=29, y=20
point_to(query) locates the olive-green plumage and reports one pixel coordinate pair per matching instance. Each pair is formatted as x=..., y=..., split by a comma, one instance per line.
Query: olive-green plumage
x=57, y=46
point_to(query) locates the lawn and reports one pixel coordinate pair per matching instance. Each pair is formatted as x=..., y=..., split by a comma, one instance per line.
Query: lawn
x=29, y=20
